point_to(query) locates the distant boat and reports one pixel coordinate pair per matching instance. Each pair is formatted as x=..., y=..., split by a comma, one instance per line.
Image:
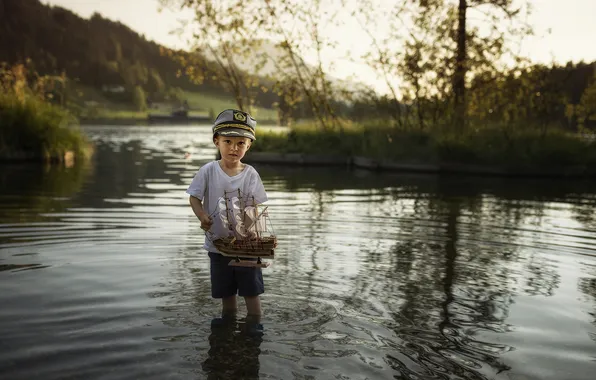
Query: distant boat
x=177, y=116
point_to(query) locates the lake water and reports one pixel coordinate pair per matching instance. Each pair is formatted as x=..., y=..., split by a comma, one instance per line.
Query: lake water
x=377, y=276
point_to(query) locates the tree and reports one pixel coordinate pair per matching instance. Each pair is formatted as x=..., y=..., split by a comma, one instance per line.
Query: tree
x=459, y=77
x=586, y=109
x=155, y=83
x=435, y=49
x=311, y=80
x=232, y=32
x=507, y=8
x=223, y=36
x=138, y=98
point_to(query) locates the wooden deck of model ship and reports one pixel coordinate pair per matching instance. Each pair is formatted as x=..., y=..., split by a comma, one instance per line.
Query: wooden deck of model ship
x=264, y=248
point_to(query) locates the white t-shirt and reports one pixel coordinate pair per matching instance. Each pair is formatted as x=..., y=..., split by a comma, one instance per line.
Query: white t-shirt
x=209, y=185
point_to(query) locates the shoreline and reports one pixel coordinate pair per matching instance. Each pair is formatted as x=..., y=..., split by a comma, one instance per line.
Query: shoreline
x=372, y=164
x=112, y=121
x=67, y=158
x=132, y=121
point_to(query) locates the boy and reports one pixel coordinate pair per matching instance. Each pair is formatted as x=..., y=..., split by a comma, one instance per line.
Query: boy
x=233, y=134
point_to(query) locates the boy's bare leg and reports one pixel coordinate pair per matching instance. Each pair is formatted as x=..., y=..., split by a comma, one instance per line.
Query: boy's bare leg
x=253, y=305
x=229, y=305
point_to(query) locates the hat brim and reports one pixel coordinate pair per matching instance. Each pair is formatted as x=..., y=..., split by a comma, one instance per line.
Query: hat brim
x=236, y=132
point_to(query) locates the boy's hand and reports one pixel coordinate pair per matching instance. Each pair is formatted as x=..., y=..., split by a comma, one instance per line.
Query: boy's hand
x=206, y=222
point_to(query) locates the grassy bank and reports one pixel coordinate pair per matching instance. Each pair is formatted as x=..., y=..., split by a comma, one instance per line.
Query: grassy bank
x=507, y=147
x=92, y=106
x=34, y=129
x=125, y=116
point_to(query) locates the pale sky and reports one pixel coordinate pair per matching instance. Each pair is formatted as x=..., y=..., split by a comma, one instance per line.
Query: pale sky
x=571, y=22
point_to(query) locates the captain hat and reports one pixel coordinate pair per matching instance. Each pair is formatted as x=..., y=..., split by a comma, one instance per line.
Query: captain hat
x=233, y=122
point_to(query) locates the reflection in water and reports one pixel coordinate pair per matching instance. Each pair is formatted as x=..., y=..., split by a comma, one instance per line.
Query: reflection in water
x=234, y=348
x=17, y=267
x=587, y=285
x=30, y=190
x=377, y=275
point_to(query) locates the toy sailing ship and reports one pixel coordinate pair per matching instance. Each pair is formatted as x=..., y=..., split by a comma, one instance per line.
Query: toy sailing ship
x=247, y=234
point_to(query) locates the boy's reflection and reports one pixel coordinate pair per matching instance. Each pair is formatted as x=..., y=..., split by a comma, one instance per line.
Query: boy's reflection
x=234, y=348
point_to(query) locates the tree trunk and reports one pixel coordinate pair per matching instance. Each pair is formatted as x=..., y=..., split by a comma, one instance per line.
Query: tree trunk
x=459, y=77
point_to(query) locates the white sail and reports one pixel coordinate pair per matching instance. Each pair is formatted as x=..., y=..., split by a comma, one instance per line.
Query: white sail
x=238, y=224
x=250, y=221
x=262, y=220
x=221, y=225
x=239, y=218
x=250, y=217
x=222, y=211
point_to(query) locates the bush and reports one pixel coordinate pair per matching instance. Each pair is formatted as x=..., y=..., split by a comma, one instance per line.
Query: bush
x=30, y=124
x=506, y=146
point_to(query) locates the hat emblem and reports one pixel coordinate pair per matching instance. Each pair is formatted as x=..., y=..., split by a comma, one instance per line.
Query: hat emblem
x=239, y=116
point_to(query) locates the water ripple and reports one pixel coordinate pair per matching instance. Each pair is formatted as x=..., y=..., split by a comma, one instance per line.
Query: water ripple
x=103, y=275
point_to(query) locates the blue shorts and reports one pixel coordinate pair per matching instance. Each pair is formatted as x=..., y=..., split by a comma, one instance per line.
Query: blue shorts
x=227, y=281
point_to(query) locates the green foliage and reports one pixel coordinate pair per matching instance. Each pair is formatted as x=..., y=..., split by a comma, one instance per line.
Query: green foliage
x=516, y=147
x=30, y=124
x=138, y=98
x=271, y=38
x=586, y=109
x=37, y=127
x=512, y=146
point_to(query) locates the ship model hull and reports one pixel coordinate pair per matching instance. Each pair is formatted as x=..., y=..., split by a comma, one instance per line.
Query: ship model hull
x=263, y=248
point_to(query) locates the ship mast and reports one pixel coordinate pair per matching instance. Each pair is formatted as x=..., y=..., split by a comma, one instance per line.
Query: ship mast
x=228, y=213
x=258, y=218
x=242, y=206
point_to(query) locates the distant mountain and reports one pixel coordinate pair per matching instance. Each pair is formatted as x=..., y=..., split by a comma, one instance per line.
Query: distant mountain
x=273, y=55
x=97, y=52
x=105, y=54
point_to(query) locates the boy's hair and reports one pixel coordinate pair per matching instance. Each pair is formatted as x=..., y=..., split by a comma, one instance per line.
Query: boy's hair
x=233, y=122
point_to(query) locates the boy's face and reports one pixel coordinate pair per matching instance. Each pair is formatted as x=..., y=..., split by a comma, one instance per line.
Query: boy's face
x=232, y=149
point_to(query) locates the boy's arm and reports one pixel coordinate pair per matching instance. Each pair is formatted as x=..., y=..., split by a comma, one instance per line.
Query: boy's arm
x=197, y=208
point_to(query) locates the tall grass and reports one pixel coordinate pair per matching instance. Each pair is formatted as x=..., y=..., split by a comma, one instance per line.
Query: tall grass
x=29, y=123
x=505, y=146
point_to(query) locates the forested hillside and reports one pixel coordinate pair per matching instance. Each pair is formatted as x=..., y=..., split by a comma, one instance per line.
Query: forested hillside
x=96, y=52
